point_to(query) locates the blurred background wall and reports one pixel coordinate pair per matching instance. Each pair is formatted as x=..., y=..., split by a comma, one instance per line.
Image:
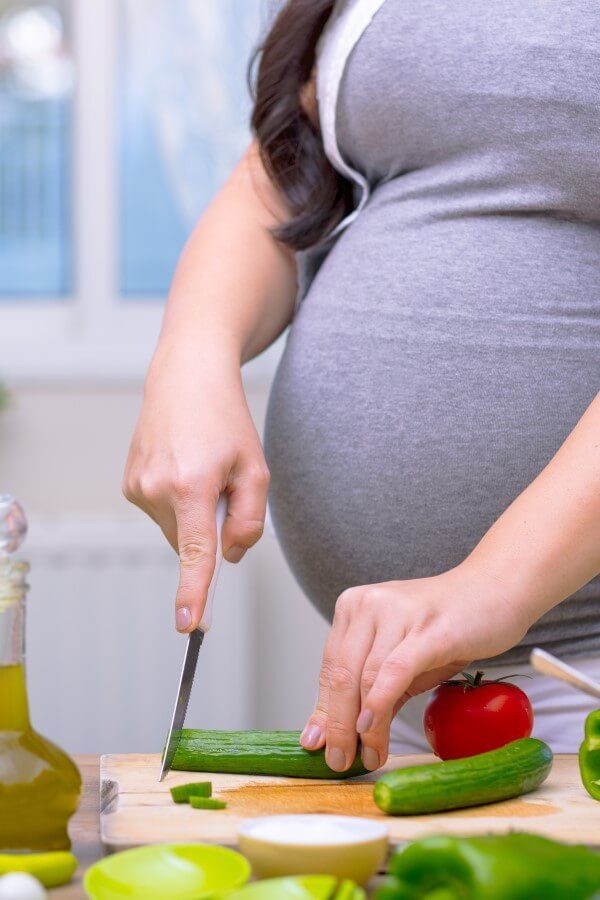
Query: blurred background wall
x=118, y=121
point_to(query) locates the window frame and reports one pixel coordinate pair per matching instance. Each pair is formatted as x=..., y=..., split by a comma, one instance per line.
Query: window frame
x=92, y=333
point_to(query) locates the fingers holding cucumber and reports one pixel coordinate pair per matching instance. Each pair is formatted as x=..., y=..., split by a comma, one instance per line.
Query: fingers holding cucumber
x=391, y=641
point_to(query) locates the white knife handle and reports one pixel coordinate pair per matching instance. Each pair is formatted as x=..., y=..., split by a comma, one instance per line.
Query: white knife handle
x=206, y=620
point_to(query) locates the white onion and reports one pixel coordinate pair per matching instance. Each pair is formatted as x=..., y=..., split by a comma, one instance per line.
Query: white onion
x=21, y=886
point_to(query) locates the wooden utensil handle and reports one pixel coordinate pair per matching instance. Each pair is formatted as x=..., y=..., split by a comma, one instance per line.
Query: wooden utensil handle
x=547, y=664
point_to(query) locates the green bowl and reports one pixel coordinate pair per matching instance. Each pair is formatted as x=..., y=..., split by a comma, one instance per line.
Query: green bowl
x=300, y=887
x=173, y=871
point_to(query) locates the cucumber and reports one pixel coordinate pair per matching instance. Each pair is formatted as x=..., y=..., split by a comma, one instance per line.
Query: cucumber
x=254, y=753
x=182, y=792
x=207, y=803
x=510, y=771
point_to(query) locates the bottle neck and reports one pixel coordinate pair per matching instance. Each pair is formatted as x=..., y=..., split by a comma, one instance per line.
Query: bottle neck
x=14, y=712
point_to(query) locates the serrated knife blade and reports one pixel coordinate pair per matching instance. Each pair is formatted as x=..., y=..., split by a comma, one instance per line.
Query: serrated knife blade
x=188, y=670
x=190, y=660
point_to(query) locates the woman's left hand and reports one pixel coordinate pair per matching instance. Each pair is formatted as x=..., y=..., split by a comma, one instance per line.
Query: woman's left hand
x=391, y=641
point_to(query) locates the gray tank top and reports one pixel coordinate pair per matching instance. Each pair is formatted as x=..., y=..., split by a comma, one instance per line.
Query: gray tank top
x=450, y=340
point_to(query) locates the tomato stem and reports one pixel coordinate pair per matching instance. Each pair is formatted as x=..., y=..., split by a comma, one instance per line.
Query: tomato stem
x=474, y=681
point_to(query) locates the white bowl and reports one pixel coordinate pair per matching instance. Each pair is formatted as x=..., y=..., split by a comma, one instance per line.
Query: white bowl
x=344, y=846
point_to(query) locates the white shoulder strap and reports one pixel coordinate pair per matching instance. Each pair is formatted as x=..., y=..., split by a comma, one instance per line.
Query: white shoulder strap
x=348, y=21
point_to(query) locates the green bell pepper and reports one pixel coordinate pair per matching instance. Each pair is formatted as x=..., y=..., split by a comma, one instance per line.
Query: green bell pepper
x=493, y=867
x=589, y=755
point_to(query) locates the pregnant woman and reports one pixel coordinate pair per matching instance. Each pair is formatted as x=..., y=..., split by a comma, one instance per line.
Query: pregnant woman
x=428, y=172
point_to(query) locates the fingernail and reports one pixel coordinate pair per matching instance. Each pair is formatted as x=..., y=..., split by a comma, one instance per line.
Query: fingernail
x=336, y=759
x=311, y=737
x=234, y=554
x=370, y=758
x=365, y=720
x=183, y=618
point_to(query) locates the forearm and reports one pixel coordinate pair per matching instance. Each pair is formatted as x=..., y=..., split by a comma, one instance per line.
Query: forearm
x=234, y=289
x=546, y=545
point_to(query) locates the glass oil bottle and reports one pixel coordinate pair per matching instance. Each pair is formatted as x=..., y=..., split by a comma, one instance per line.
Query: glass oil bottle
x=39, y=783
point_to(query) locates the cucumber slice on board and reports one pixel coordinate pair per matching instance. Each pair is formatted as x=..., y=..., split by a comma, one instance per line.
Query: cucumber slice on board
x=182, y=792
x=207, y=803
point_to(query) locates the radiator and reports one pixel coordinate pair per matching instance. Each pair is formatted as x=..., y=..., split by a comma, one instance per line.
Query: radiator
x=103, y=658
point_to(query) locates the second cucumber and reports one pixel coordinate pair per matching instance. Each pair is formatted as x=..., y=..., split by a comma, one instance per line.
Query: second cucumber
x=510, y=771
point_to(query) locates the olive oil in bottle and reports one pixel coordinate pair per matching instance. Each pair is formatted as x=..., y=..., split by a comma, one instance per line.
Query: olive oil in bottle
x=39, y=783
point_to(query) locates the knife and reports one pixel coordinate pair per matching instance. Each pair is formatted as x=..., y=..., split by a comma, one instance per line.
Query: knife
x=192, y=650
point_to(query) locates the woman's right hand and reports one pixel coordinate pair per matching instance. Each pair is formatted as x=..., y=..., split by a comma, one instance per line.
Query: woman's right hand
x=193, y=440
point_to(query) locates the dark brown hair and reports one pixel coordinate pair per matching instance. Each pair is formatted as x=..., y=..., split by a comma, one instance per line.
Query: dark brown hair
x=290, y=143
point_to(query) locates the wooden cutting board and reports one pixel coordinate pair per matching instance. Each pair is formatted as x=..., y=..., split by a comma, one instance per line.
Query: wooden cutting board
x=136, y=809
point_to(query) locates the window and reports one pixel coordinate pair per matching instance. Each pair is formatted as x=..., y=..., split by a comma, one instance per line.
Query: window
x=118, y=122
x=35, y=109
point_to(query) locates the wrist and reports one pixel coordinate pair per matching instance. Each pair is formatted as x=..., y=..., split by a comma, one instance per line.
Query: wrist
x=211, y=357
x=485, y=587
x=505, y=590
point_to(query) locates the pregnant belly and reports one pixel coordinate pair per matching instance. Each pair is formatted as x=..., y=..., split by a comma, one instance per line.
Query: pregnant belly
x=416, y=398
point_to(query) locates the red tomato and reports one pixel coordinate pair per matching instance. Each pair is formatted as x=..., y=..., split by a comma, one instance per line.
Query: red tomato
x=470, y=716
